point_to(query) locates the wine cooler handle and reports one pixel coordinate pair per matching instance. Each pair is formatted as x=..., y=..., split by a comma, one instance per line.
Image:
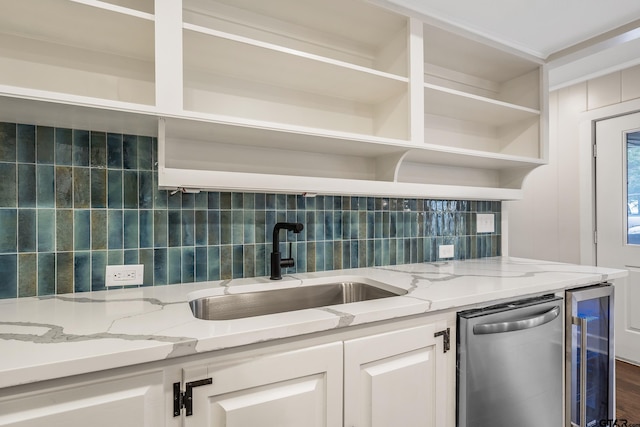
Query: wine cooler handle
x=582, y=324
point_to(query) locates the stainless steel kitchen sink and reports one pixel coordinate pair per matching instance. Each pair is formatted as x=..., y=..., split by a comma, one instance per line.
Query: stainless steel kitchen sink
x=249, y=304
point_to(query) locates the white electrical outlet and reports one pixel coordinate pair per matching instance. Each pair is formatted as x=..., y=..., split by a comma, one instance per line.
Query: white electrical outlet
x=485, y=223
x=124, y=275
x=446, y=251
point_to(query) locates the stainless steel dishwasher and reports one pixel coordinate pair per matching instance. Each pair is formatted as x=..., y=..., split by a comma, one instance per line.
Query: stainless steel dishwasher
x=510, y=359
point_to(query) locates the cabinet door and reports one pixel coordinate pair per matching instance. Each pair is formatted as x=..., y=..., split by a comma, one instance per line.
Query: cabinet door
x=133, y=401
x=398, y=379
x=292, y=389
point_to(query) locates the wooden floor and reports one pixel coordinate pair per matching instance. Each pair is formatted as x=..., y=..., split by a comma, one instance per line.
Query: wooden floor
x=628, y=392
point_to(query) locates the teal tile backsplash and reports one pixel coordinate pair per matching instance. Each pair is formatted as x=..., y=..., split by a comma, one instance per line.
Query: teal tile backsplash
x=74, y=201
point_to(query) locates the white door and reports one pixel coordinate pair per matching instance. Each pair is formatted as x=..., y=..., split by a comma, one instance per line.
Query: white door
x=398, y=378
x=291, y=389
x=618, y=222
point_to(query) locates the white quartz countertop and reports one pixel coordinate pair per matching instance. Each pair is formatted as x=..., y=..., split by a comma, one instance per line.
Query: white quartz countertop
x=52, y=337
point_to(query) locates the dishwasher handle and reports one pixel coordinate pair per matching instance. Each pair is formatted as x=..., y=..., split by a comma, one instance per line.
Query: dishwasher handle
x=517, y=325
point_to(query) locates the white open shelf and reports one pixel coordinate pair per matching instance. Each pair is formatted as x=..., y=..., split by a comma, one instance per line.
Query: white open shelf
x=287, y=96
x=86, y=48
x=292, y=63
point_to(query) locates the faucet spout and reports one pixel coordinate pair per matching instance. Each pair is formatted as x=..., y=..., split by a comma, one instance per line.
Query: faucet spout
x=277, y=262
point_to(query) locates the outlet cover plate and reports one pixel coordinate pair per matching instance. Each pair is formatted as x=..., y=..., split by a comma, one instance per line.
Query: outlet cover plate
x=446, y=251
x=124, y=275
x=485, y=223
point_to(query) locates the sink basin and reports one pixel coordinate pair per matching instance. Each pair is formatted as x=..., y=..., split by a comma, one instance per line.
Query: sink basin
x=249, y=304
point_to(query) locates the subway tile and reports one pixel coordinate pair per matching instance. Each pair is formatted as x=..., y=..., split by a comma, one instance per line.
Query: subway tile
x=261, y=262
x=205, y=236
x=226, y=259
x=45, y=148
x=138, y=229
x=346, y=254
x=98, y=229
x=27, y=275
x=98, y=270
x=46, y=230
x=188, y=227
x=249, y=261
x=159, y=196
x=130, y=189
x=213, y=200
x=311, y=257
x=8, y=149
x=146, y=258
x=130, y=256
x=201, y=222
x=81, y=188
x=201, y=200
x=8, y=184
x=201, y=272
x=174, y=228
x=174, y=200
x=98, y=188
x=26, y=143
x=174, y=263
x=237, y=226
x=249, y=226
x=237, y=201
x=188, y=258
x=300, y=257
x=115, y=229
x=64, y=273
x=130, y=153
x=237, y=261
x=213, y=263
x=46, y=274
x=213, y=227
x=27, y=229
x=328, y=256
x=377, y=252
x=114, y=189
x=160, y=266
x=160, y=229
x=97, y=149
x=8, y=231
x=81, y=230
x=145, y=153
x=9, y=282
x=114, y=151
x=188, y=201
x=45, y=186
x=80, y=150
x=64, y=230
x=64, y=187
x=82, y=271
x=63, y=147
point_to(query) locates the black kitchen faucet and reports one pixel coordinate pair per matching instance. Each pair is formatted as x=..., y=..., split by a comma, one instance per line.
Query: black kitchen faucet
x=277, y=262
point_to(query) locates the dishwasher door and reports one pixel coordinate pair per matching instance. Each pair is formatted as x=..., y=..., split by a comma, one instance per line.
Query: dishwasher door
x=510, y=360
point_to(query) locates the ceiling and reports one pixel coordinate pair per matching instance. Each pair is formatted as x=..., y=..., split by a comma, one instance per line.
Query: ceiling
x=543, y=28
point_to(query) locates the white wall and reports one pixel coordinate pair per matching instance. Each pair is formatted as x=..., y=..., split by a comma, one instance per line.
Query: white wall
x=546, y=224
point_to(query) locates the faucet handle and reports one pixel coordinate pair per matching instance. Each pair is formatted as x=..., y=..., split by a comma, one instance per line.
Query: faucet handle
x=288, y=261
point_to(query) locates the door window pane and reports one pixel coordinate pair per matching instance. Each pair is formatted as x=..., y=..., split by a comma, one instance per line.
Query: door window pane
x=633, y=188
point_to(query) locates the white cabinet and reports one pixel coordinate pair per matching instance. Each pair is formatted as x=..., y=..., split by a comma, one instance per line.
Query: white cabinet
x=388, y=377
x=399, y=378
x=294, y=96
x=289, y=389
x=389, y=374
x=120, y=400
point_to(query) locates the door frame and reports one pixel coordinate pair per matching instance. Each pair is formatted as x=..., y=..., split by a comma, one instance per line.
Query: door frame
x=587, y=169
